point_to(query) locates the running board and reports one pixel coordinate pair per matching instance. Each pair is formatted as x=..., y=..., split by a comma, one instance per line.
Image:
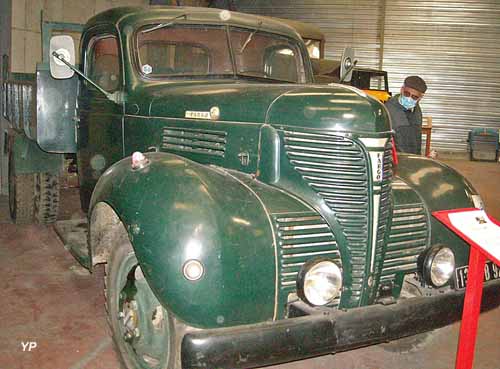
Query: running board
x=73, y=234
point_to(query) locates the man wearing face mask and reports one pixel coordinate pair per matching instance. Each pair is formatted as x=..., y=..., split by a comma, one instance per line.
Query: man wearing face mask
x=406, y=115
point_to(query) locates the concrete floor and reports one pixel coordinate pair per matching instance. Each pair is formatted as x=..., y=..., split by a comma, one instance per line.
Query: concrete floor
x=52, y=302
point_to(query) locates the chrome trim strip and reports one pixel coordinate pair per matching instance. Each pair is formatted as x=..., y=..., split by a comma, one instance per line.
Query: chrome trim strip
x=376, y=211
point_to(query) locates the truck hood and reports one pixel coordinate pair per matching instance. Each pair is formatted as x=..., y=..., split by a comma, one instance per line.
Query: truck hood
x=336, y=107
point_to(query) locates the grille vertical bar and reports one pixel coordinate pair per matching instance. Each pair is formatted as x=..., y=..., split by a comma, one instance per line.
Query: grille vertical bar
x=336, y=168
x=385, y=205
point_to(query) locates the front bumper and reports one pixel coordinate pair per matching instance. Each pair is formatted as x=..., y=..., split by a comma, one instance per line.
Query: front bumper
x=325, y=333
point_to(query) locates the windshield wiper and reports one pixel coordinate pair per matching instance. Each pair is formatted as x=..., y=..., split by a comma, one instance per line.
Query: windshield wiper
x=250, y=36
x=261, y=78
x=164, y=25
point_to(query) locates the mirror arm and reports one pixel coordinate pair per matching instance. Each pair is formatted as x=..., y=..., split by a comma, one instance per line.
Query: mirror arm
x=115, y=97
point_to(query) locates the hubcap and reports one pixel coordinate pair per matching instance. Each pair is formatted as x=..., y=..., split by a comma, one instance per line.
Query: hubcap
x=142, y=321
x=129, y=320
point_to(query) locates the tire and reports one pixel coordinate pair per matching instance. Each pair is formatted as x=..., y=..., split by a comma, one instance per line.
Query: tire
x=46, y=197
x=21, y=195
x=143, y=331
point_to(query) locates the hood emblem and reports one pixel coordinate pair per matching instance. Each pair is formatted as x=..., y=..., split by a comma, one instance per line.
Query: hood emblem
x=213, y=114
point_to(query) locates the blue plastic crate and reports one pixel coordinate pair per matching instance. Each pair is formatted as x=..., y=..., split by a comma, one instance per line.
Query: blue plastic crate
x=483, y=144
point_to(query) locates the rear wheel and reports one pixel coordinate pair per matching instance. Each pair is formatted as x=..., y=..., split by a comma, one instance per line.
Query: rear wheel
x=21, y=195
x=46, y=197
x=143, y=331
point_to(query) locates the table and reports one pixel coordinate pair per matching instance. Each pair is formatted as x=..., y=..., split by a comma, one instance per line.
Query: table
x=427, y=130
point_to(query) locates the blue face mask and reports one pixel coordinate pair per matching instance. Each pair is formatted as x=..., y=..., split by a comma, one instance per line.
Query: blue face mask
x=407, y=102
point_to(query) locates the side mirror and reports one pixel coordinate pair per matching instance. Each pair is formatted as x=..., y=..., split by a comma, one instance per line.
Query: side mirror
x=65, y=47
x=347, y=64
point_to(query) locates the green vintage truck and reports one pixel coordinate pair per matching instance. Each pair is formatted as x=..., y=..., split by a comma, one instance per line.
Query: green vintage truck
x=245, y=215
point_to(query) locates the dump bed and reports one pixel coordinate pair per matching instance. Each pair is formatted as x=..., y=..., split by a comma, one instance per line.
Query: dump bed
x=19, y=103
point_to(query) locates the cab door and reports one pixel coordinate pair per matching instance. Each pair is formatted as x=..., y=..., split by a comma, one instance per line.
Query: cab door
x=100, y=126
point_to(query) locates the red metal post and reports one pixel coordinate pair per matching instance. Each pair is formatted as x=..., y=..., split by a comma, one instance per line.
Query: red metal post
x=472, y=307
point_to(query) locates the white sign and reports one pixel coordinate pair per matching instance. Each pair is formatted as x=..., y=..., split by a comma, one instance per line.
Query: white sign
x=479, y=228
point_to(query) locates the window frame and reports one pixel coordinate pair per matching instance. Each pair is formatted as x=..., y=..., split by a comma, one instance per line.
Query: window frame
x=302, y=70
x=88, y=51
x=137, y=63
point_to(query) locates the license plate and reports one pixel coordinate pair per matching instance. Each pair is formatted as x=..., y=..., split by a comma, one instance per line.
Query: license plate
x=491, y=271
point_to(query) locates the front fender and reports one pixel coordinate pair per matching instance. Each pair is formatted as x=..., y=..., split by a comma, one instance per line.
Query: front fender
x=441, y=186
x=175, y=210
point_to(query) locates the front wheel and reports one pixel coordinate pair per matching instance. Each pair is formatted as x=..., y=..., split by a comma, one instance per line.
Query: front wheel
x=143, y=331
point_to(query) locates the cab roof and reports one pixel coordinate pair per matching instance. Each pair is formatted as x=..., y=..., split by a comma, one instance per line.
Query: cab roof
x=125, y=16
x=306, y=30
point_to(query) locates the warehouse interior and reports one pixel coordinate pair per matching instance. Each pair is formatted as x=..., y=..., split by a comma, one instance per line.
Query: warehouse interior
x=54, y=316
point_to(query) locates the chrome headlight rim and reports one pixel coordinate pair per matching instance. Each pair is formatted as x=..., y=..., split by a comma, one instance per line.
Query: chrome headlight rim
x=305, y=272
x=427, y=265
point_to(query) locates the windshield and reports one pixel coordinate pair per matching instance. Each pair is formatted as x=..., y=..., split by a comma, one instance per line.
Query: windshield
x=204, y=51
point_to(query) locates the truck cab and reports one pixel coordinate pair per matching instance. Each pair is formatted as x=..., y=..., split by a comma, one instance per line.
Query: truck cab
x=157, y=70
x=247, y=216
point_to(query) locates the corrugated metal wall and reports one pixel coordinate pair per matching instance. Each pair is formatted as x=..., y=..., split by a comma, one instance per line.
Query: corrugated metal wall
x=453, y=45
x=345, y=23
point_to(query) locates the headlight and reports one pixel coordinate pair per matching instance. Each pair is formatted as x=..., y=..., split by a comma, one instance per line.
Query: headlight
x=438, y=266
x=477, y=201
x=319, y=282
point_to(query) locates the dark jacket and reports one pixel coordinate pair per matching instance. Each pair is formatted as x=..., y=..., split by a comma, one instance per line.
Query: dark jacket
x=408, y=126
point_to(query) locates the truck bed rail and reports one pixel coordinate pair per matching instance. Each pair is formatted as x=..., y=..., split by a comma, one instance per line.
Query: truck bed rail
x=19, y=105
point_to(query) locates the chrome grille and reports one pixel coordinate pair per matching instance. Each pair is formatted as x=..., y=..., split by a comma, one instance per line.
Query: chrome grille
x=407, y=239
x=336, y=168
x=302, y=237
x=197, y=141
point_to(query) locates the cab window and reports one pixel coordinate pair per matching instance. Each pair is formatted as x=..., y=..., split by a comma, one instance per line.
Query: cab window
x=187, y=51
x=103, y=65
x=266, y=55
x=183, y=51
x=313, y=48
x=162, y=57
